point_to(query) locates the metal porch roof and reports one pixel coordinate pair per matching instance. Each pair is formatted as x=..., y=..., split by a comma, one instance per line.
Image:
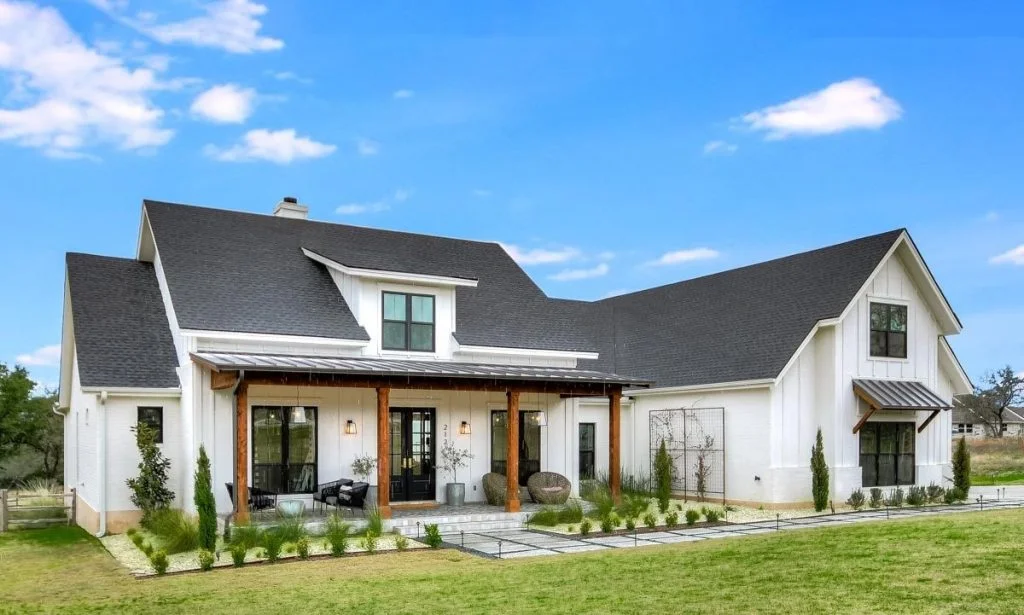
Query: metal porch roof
x=898, y=395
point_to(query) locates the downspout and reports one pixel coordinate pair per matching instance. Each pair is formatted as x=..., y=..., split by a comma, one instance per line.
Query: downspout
x=101, y=452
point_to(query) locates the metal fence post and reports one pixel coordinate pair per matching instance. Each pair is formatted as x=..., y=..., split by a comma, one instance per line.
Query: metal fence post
x=3, y=510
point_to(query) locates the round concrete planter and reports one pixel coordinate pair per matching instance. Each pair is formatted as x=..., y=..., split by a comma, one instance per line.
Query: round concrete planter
x=455, y=494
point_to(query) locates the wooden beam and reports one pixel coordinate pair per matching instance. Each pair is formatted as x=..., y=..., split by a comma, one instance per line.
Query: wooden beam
x=864, y=419
x=615, y=445
x=512, y=453
x=384, y=452
x=930, y=418
x=223, y=380
x=242, y=453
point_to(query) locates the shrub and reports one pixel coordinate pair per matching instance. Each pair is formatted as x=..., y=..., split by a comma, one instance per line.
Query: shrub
x=672, y=519
x=713, y=515
x=876, y=498
x=586, y=527
x=178, y=531
x=895, y=499
x=206, y=506
x=916, y=496
x=137, y=540
x=630, y=523
x=374, y=523
x=132, y=532
x=401, y=542
x=238, y=551
x=159, y=561
x=935, y=493
x=856, y=499
x=433, y=539
x=292, y=529
x=663, y=477
x=147, y=548
x=572, y=512
x=273, y=541
x=634, y=505
x=601, y=498
x=337, y=535
x=149, y=488
x=246, y=535
x=608, y=524
x=955, y=495
x=369, y=543
x=650, y=520
x=962, y=466
x=206, y=559
x=227, y=529
x=571, y=529
x=302, y=547
x=679, y=507
x=819, y=474
x=546, y=516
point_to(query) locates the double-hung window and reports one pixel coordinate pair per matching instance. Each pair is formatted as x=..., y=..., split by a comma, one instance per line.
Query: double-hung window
x=888, y=330
x=408, y=322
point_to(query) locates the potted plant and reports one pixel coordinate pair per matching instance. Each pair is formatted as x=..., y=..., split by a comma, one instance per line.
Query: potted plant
x=453, y=458
x=363, y=466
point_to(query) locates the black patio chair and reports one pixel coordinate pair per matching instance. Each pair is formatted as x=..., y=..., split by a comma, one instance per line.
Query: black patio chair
x=259, y=499
x=329, y=490
x=354, y=498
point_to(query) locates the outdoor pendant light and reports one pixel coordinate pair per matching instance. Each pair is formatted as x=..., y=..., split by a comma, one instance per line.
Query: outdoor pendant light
x=350, y=427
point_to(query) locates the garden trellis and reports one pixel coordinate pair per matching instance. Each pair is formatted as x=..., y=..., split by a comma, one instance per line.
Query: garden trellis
x=695, y=440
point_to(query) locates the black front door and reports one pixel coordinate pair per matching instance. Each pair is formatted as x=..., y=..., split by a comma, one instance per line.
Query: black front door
x=412, y=454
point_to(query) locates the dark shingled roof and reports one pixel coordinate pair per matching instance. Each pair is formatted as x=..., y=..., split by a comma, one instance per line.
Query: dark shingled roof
x=742, y=324
x=235, y=271
x=122, y=338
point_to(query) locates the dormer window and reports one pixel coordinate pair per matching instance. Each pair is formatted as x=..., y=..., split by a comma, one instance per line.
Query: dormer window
x=408, y=322
x=888, y=330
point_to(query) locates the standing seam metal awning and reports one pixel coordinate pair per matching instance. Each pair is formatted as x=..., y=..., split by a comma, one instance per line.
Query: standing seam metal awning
x=899, y=395
x=221, y=361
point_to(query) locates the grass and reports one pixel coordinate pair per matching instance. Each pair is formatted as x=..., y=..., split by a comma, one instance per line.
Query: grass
x=968, y=562
x=997, y=461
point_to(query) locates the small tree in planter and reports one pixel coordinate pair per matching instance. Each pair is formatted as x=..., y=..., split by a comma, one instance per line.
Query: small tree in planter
x=363, y=466
x=205, y=504
x=453, y=458
x=149, y=488
x=819, y=474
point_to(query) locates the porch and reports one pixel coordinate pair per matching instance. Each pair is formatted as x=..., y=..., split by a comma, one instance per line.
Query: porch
x=399, y=411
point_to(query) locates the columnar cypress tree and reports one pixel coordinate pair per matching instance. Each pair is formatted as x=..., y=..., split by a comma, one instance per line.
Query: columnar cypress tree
x=819, y=474
x=205, y=504
x=962, y=467
x=663, y=477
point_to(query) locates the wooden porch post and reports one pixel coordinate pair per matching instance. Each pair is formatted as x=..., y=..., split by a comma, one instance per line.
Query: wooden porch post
x=242, y=453
x=615, y=444
x=512, y=454
x=383, y=452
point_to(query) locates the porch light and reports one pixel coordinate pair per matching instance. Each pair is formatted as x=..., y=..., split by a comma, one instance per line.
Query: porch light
x=465, y=429
x=542, y=419
x=299, y=415
x=350, y=427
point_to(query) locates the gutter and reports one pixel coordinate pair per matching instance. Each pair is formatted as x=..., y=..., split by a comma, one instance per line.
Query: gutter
x=101, y=450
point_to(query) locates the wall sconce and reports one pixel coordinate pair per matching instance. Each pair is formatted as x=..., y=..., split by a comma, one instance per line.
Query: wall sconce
x=542, y=419
x=350, y=427
x=465, y=429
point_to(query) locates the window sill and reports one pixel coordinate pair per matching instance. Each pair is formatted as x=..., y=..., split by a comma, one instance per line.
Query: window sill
x=890, y=359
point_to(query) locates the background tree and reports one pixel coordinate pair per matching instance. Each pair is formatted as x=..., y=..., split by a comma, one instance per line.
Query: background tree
x=205, y=504
x=819, y=474
x=15, y=398
x=1000, y=390
x=31, y=434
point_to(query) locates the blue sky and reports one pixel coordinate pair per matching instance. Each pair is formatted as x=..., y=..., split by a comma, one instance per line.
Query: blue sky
x=612, y=146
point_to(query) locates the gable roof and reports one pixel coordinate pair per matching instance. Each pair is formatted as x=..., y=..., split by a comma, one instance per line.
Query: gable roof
x=235, y=271
x=742, y=324
x=121, y=334
x=963, y=414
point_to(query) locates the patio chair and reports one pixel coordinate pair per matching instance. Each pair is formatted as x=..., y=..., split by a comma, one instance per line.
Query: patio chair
x=548, y=488
x=353, y=497
x=329, y=490
x=494, y=488
x=259, y=499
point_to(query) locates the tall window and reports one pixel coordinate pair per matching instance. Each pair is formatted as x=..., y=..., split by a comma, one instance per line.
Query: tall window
x=153, y=417
x=529, y=443
x=587, y=437
x=887, y=454
x=284, y=448
x=888, y=330
x=408, y=322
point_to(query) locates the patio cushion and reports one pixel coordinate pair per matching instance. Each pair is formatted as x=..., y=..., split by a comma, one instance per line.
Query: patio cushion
x=548, y=488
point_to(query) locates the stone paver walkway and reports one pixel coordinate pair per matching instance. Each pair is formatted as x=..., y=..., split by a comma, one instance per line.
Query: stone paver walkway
x=508, y=544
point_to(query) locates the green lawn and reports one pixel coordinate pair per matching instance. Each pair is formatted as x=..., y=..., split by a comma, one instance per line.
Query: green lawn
x=955, y=563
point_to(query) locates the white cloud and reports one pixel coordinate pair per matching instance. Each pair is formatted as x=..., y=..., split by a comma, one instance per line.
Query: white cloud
x=1014, y=257
x=540, y=256
x=351, y=209
x=287, y=75
x=72, y=95
x=399, y=94
x=45, y=356
x=401, y=195
x=720, y=147
x=225, y=104
x=231, y=25
x=568, y=275
x=684, y=256
x=367, y=147
x=279, y=146
x=846, y=105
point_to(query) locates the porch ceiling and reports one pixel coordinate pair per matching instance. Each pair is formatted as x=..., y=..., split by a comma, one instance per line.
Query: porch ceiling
x=387, y=368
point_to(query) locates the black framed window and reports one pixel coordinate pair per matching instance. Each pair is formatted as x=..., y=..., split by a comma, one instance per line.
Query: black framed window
x=965, y=428
x=888, y=330
x=587, y=447
x=153, y=416
x=408, y=322
x=284, y=448
x=887, y=454
x=529, y=443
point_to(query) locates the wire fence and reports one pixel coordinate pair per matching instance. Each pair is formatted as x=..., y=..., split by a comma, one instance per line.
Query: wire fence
x=27, y=510
x=695, y=440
